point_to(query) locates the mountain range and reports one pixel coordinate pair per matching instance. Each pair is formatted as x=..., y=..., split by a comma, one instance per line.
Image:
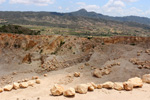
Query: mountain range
x=81, y=21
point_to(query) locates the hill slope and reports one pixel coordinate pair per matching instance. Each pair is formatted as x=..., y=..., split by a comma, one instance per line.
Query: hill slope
x=78, y=23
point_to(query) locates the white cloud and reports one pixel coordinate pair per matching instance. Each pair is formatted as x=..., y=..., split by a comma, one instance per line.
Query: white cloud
x=118, y=8
x=88, y=7
x=129, y=0
x=2, y=1
x=34, y=2
x=113, y=5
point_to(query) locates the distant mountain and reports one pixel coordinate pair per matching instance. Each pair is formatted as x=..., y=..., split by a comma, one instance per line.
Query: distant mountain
x=80, y=22
x=137, y=19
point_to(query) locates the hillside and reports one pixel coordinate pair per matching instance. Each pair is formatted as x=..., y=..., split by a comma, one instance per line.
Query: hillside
x=77, y=23
x=136, y=19
x=54, y=59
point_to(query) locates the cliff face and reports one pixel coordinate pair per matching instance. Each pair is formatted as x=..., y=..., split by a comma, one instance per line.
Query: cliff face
x=39, y=46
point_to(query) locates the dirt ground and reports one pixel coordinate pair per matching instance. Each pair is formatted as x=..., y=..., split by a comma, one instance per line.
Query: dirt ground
x=12, y=70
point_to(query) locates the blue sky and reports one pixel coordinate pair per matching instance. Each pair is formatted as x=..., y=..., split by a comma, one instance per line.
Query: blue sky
x=107, y=7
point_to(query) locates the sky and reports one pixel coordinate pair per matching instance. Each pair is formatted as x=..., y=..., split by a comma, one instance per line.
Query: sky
x=106, y=7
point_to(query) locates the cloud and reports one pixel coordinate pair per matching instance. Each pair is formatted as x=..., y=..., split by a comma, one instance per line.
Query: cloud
x=113, y=5
x=129, y=0
x=2, y=1
x=88, y=7
x=33, y=2
x=118, y=7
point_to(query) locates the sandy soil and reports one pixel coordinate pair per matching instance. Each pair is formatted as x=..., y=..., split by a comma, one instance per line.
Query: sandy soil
x=100, y=56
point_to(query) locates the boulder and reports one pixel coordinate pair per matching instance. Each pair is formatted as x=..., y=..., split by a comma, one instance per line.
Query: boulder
x=108, y=85
x=8, y=87
x=16, y=86
x=137, y=82
x=69, y=92
x=118, y=86
x=38, y=81
x=57, y=90
x=97, y=73
x=99, y=86
x=146, y=78
x=1, y=90
x=128, y=86
x=77, y=74
x=24, y=85
x=81, y=88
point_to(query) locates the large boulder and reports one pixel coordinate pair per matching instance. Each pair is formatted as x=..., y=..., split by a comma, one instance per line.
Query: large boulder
x=24, y=85
x=97, y=73
x=146, y=78
x=57, y=90
x=81, y=88
x=16, y=86
x=137, y=82
x=108, y=85
x=128, y=86
x=8, y=87
x=118, y=86
x=69, y=92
